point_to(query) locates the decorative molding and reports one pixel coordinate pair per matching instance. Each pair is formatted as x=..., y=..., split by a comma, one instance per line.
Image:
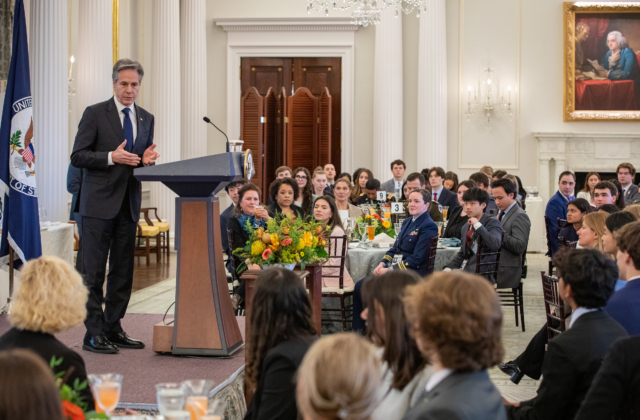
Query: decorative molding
x=540, y=135
x=286, y=24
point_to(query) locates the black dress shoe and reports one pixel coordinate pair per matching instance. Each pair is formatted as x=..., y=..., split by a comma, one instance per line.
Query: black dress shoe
x=513, y=371
x=121, y=339
x=99, y=344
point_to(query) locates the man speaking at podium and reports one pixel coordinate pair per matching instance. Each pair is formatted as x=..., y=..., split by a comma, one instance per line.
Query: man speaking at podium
x=114, y=137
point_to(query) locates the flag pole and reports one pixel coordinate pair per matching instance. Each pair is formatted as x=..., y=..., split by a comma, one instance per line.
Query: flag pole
x=7, y=307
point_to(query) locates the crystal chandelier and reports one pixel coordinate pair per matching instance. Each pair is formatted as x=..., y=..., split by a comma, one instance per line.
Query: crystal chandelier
x=367, y=12
x=488, y=102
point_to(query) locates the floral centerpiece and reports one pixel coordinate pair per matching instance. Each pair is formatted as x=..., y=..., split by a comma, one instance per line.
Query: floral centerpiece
x=382, y=226
x=284, y=241
x=73, y=405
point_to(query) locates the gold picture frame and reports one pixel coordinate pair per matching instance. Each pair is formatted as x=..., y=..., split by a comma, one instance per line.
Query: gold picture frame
x=569, y=107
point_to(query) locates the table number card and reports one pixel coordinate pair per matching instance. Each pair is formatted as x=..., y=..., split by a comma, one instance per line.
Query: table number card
x=381, y=195
x=397, y=208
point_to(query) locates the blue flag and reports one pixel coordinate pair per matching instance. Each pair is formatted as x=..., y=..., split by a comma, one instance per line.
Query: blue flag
x=19, y=195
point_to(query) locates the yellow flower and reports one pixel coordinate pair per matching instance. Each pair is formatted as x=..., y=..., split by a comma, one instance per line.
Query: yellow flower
x=367, y=217
x=273, y=248
x=302, y=254
x=315, y=240
x=301, y=245
x=386, y=224
x=307, y=238
x=274, y=239
x=257, y=248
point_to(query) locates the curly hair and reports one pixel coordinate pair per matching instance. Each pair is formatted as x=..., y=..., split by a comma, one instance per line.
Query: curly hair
x=306, y=192
x=51, y=297
x=339, y=378
x=457, y=316
x=400, y=349
x=281, y=311
x=275, y=187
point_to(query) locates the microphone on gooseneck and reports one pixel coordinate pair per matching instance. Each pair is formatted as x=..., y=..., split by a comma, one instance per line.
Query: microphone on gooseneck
x=207, y=120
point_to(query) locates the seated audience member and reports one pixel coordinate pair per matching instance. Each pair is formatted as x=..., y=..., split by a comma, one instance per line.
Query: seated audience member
x=283, y=172
x=587, y=280
x=325, y=211
x=516, y=226
x=460, y=345
x=484, y=183
x=479, y=225
x=557, y=208
x=319, y=183
x=604, y=193
x=370, y=195
x=245, y=219
x=608, y=209
x=612, y=224
x=458, y=218
x=280, y=333
x=633, y=209
x=232, y=191
x=342, y=190
x=499, y=174
x=330, y=171
x=409, y=252
x=624, y=305
x=360, y=179
x=487, y=170
x=282, y=193
x=339, y=379
x=592, y=230
x=405, y=371
x=345, y=175
x=417, y=181
x=394, y=185
x=304, y=199
x=439, y=192
x=451, y=181
x=522, y=193
x=576, y=210
x=28, y=389
x=615, y=391
x=518, y=197
x=587, y=191
x=626, y=172
x=619, y=198
x=51, y=299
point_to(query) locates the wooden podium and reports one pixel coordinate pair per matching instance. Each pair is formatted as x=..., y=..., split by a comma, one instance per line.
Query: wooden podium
x=204, y=322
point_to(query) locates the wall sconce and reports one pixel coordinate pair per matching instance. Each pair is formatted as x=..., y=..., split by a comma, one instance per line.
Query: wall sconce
x=71, y=89
x=488, y=102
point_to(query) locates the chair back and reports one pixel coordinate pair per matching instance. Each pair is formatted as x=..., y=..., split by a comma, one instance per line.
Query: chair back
x=431, y=254
x=337, y=250
x=547, y=225
x=562, y=223
x=553, y=305
x=232, y=258
x=488, y=262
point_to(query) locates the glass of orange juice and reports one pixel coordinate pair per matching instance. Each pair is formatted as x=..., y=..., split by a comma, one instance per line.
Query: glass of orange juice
x=445, y=211
x=215, y=410
x=197, y=392
x=440, y=225
x=371, y=232
x=106, y=390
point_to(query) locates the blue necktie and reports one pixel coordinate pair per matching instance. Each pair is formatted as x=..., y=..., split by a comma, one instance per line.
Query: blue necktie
x=127, y=129
x=572, y=197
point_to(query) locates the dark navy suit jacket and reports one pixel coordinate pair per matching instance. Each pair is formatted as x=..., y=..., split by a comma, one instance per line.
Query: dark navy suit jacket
x=448, y=198
x=413, y=244
x=556, y=209
x=624, y=307
x=74, y=179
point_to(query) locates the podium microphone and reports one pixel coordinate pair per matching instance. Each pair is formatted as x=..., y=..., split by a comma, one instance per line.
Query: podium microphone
x=208, y=121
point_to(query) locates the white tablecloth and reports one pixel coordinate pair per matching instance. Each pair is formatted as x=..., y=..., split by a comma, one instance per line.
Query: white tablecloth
x=57, y=241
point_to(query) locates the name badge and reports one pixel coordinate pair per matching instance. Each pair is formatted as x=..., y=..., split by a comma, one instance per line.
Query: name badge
x=381, y=195
x=397, y=259
x=464, y=264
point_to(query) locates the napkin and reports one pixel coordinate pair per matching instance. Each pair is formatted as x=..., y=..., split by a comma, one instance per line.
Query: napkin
x=451, y=242
x=383, y=239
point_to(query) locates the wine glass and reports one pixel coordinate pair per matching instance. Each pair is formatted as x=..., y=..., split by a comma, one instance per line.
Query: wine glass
x=171, y=398
x=215, y=410
x=197, y=393
x=106, y=390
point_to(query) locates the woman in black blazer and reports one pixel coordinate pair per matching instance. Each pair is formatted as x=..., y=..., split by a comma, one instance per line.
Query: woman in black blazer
x=458, y=218
x=279, y=333
x=51, y=299
x=282, y=193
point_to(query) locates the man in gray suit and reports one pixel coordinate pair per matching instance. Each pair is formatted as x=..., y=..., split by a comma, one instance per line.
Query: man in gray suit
x=626, y=172
x=480, y=225
x=516, y=226
x=394, y=185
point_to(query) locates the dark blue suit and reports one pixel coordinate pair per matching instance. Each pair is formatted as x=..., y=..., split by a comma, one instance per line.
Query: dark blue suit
x=413, y=245
x=447, y=198
x=74, y=179
x=624, y=307
x=556, y=209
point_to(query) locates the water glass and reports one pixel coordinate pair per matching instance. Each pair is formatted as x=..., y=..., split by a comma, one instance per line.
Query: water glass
x=197, y=393
x=42, y=214
x=215, y=411
x=171, y=398
x=106, y=390
x=397, y=227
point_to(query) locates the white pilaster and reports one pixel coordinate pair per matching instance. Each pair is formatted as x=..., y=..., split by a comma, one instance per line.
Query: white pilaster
x=165, y=96
x=432, y=87
x=94, y=62
x=544, y=182
x=387, y=94
x=48, y=45
x=193, y=59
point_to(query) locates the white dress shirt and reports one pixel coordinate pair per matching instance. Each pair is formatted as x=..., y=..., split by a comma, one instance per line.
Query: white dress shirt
x=437, y=377
x=132, y=116
x=578, y=313
x=398, y=185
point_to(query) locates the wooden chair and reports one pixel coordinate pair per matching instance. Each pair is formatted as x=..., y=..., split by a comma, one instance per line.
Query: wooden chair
x=431, y=254
x=561, y=223
x=337, y=254
x=147, y=232
x=553, y=305
x=163, y=226
x=514, y=296
x=76, y=238
x=486, y=268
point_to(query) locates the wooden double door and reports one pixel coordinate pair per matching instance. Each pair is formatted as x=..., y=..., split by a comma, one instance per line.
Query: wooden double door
x=297, y=104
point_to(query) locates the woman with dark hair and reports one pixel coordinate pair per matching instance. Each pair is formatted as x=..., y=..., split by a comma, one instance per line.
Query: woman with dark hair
x=345, y=175
x=282, y=193
x=326, y=212
x=451, y=181
x=28, y=388
x=405, y=371
x=619, y=200
x=576, y=210
x=280, y=333
x=590, y=182
x=360, y=183
x=522, y=193
x=304, y=198
x=457, y=219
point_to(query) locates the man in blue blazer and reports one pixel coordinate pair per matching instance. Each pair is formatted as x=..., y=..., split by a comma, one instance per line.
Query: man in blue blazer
x=557, y=208
x=409, y=252
x=439, y=192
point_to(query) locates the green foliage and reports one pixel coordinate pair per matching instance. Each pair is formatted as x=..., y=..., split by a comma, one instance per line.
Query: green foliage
x=14, y=140
x=69, y=393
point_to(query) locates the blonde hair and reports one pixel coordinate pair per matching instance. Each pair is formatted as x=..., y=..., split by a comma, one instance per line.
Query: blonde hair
x=339, y=378
x=318, y=171
x=488, y=170
x=51, y=297
x=596, y=222
x=633, y=209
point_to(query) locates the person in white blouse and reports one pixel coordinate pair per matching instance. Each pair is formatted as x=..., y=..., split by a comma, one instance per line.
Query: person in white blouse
x=326, y=212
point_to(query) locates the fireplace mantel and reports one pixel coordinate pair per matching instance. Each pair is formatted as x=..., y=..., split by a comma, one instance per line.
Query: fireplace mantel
x=582, y=152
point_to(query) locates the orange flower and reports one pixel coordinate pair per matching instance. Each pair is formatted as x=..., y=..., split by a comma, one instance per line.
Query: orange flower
x=286, y=242
x=72, y=411
x=266, y=253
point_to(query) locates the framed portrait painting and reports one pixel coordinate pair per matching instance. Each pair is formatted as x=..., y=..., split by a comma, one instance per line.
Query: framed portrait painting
x=601, y=55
